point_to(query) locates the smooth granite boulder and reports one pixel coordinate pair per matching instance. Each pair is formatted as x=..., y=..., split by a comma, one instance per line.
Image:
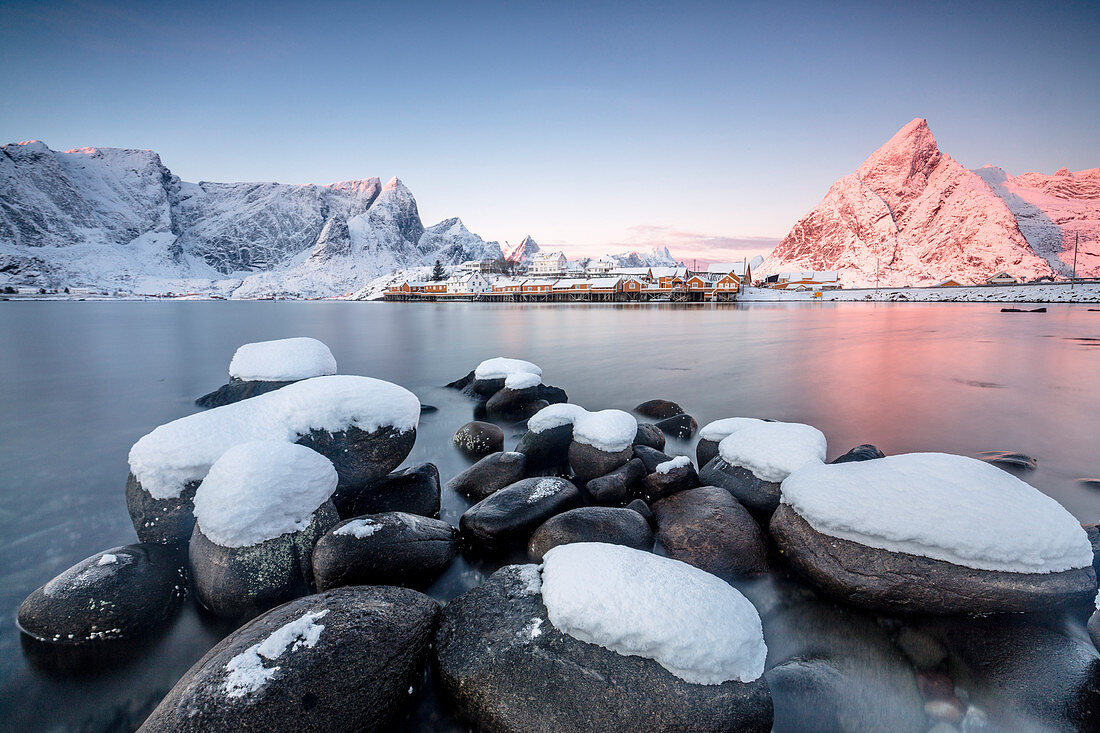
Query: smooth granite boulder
x=507, y=669
x=658, y=409
x=124, y=593
x=162, y=521
x=865, y=452
x=512, y=513
x=650, y=458
x=349, y=659
x=707, y=528
x=547, y=450
x=895, y=582
x=678, y=426
x=237, y=390
x=414, y=490
x=589, y=462
x=479, y=438
x=591, y=524
x=493, y=472
x=650, y=436
x=757, y=495
x=705, y=451
x=510, y=402
x=616, y=488
x=669, y=478
x=390, y=548
x=245, y=581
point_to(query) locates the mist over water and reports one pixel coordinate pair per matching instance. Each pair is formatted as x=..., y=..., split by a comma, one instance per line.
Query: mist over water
x=81, y=382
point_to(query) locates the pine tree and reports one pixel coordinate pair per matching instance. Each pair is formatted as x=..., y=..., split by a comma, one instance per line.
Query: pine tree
x=437, y=271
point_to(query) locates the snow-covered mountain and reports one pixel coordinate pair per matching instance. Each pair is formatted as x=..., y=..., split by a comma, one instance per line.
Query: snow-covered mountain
x=656, y=257
x=525, y=251
x=112, y=218
x=911, y=215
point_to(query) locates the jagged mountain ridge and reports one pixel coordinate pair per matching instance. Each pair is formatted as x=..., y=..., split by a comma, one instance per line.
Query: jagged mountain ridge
x=115, y=218
x=911, y=215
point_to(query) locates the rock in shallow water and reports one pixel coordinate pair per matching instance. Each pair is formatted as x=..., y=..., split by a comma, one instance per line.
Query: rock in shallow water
x=391, y=548
x=589, y=462
x=479, y=438
x=493, y=472
x=343, y=660
x=650, y=435
x=123, y=593
x=591, y=524
x=512, y=513
x=658, y=409
x=865, y=452
x=669, y=478
x=508, y=669
x=679, y=426
x=237, y=390
x=757, y=495
x=547, y=450
x=615, y=488
x=707, y=528
x=414, y=490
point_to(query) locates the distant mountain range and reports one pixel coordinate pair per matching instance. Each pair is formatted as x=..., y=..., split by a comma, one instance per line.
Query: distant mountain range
x=112, y=218
x=911, y=215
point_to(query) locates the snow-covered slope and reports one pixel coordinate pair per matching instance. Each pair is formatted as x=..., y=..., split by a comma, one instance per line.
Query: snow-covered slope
x=911, y=215
x=525, y=251
x=656, y=257
x=111, y=218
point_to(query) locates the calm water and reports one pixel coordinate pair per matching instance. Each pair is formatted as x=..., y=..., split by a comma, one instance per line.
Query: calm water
x=81, y=382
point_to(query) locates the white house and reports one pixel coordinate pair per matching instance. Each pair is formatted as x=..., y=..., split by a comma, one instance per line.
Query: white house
x=473, y=282
x=597, y=268
x=548, y=264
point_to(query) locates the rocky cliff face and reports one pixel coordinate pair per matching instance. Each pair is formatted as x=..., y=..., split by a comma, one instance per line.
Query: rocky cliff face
x=911, y=215
x=525, y=251
x=112, y=218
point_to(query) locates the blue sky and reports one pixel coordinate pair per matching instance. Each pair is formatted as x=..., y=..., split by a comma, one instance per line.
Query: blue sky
x=707, y=126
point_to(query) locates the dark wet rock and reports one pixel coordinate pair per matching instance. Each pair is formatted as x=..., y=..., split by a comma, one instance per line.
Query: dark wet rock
x=923, y=650
x=658, y=409
x=705, y=451
x=237, y=390
x=1093, y=533
x=899, y=582
x=343, y=660
x=427, y=409
x=462, y=382
x=1094, y=628
x=493, y=472
x=1007, y=459
x=658, y=485
x=865, y=452
x=615, y=488
x=164, y=521
x=479, y=438
x=514, y=512
x=510, y=402
x=546, y=451
x=552, y=395
x=680, y=426
x=124, y=593
x=650, y=458
x=642, y=508
x=1092, y=483
x=414, y=490
x=391, y=548
x=360, y=458
x=245, y=581
x=591, y=524
x=758, y=496
x=507, y=668
x=588, y=462
x=650, y=436
x=707, y=528
x=1032, y=675
x=486, y=388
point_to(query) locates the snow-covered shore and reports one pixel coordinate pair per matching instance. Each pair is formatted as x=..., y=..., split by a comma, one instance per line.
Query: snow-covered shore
x=1046, y=293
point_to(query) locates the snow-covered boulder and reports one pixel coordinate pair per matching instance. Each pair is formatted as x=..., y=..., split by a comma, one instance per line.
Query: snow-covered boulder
x=118, y=595
x=493, y=375
x=600, y=441
x=477, y=438
x=708, y=528
x=365, y=426
x=259, y=512
x=343, y=660
x=932, y=533
x=630, y=641
x=591, y=524
x=549, y=434
x=712, y=434
x=391, y=548
x=669, y=477
x=264, y=366
x=493, y=472
x=752, y=461
x=510, y=515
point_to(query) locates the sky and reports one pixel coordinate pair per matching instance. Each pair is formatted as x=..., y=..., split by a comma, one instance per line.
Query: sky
x=597, y=127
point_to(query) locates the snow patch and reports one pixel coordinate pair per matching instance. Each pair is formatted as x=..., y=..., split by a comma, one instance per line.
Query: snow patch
x=522, y=380
x=260, y=490
x=946, y=507
x=246, y=672
x=635, y=603
x=715, y=431
x=544, y=488
x=772, y=450
x=677, y=462
x=181, y=451
x=107, y=559
x=529, y=574
x=282, y=360
x=502, y=368
x=554, y=416
x=359, y=528
x=608, y=430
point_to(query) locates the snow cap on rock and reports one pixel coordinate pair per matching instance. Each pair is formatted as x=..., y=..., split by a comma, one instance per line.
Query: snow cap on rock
x=260, y=490
x=718, y=429
x=554, y=416
x=772, y=450
x=516, y=370
x=181, y=451
x=635, y=603
x=608, y=430
x=282, y=360
x=945, y=507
